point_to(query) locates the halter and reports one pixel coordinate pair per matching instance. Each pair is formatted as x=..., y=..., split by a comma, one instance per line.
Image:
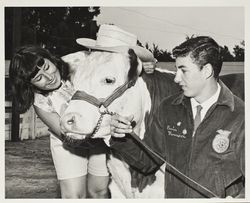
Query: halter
x=103, y=105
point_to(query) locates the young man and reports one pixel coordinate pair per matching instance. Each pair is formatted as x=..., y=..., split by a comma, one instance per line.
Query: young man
x=200, y=131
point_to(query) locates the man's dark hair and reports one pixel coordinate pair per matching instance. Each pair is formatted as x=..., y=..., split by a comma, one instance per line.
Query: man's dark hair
x=203, y=50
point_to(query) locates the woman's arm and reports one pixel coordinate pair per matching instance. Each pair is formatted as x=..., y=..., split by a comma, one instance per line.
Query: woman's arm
x=51, y=119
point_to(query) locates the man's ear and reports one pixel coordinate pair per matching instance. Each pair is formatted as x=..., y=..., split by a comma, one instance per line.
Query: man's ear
x=208, y=70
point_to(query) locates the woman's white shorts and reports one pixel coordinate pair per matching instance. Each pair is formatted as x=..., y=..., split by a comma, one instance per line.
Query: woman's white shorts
x=75, y=163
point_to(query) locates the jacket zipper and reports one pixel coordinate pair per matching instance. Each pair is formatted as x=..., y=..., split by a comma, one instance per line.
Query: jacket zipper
x=193, y=141
x=191, y=152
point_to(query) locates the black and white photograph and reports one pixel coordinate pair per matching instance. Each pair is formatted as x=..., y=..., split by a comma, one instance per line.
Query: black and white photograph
x=123, y=100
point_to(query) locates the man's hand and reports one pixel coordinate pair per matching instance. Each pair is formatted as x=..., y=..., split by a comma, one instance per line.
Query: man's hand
x=149, y=67
x=120, y=125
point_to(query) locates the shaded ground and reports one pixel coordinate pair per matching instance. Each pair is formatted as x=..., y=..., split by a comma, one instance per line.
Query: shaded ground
x=29, y=170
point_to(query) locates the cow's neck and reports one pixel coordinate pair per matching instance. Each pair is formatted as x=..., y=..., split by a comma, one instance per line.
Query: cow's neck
x=146, y=104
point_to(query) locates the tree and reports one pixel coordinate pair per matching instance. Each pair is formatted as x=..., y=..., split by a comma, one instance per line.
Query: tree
x=159, y=54
x=227, y=56
x=239, y=51
x=165, y=56
x=55, y=28
x=156, y=52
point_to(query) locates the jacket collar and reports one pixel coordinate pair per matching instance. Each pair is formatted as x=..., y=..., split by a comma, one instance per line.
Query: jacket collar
x=226, y=98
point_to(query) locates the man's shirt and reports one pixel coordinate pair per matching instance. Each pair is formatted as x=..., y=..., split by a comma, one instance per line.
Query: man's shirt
x=206, y=104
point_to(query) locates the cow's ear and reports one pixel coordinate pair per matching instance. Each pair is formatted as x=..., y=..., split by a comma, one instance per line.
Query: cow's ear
x=139, y=67
x=135, y=64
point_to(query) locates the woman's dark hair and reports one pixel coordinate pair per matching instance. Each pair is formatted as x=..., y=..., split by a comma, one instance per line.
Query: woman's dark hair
x=22, y=68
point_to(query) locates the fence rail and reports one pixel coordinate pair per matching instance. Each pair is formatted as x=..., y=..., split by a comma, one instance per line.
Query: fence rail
x=30, y=126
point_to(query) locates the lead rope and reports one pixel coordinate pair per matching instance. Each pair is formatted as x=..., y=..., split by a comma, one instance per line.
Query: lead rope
x=200, y=188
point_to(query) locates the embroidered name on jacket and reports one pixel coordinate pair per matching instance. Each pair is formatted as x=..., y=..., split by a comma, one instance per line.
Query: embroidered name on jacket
x=176, y=131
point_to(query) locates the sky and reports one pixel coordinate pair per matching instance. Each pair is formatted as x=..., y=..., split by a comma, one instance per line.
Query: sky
x=167, y=27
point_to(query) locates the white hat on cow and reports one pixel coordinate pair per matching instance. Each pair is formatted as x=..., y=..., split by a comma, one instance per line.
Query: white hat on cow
x=114, y=39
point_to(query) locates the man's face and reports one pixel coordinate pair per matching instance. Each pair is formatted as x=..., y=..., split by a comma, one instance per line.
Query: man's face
x=190, y=77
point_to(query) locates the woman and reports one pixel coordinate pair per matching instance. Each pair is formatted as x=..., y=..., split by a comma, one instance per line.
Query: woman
x=43, y=80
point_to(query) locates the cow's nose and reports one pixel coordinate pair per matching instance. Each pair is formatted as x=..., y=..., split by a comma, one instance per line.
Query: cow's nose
x=68, y=121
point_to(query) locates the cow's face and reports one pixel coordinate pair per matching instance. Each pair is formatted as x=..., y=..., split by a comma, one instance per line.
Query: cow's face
x=99, y=76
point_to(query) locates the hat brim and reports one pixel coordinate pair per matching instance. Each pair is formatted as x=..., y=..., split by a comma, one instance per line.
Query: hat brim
x=144, y=54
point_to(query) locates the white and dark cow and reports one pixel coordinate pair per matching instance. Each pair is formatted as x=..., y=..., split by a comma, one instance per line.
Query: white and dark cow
x=100, y=74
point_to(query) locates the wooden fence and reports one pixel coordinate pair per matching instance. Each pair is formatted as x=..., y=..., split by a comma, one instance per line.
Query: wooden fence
x=30, y=126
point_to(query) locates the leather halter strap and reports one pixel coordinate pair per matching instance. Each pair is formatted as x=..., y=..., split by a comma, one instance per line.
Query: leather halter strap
x=82, y=95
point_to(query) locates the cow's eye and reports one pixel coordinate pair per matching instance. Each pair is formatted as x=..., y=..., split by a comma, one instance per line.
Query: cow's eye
x=109, y=80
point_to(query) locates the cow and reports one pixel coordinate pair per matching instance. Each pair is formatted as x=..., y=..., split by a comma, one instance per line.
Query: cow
x=109, y=83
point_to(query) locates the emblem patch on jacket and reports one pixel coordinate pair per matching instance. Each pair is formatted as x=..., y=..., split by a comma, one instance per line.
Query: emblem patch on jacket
x=221, y=141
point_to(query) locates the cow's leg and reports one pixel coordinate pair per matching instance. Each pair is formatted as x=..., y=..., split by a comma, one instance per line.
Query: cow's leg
x=120, y=186
x=156, y=190
x=115, y=191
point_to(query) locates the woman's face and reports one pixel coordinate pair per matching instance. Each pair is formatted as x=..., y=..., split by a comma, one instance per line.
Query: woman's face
x=48, y=76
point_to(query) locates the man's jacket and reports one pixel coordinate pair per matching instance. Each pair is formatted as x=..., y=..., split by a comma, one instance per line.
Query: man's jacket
x=214, y=157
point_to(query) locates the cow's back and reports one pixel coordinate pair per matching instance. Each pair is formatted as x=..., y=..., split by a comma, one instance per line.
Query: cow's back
x=159, y=85
x=235, y=82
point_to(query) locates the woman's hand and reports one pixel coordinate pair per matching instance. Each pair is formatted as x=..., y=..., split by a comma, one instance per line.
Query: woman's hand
x=120, y=125
x=149, y=67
